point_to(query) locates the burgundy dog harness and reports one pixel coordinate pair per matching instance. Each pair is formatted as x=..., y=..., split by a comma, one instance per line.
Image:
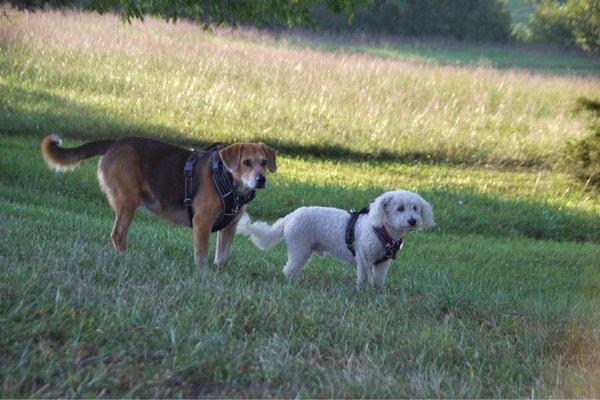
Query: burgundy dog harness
x=390, y=245
x=232, y=202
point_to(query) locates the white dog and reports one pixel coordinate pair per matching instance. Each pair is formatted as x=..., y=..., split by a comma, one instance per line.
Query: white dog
x=370, y=245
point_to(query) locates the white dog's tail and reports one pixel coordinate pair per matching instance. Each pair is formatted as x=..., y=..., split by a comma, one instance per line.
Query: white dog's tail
x=263, y=236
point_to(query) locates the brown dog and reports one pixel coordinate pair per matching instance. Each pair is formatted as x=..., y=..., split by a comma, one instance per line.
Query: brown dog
x=136, y=171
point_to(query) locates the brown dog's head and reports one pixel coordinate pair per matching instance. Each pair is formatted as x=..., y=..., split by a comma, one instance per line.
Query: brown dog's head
x=249, y=162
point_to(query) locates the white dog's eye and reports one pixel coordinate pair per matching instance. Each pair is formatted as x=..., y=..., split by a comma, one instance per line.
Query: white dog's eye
x=415, y=208
x=401, y=208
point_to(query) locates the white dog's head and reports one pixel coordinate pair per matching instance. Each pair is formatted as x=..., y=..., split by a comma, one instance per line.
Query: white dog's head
x=401, y=211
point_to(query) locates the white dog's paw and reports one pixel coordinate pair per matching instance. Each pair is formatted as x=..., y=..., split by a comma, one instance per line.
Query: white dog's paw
x=291, y=273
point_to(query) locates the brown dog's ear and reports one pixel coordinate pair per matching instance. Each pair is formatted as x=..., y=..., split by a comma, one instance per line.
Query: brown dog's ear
x=231, y=156
x=271, y=158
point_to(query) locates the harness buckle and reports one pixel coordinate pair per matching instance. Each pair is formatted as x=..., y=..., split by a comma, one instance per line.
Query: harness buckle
x=187, y=201
x=236, y=205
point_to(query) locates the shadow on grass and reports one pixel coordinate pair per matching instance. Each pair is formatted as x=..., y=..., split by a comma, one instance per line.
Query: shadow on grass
x=39, y=113
x=36, y=114
x=26, y=180
x=456, y=211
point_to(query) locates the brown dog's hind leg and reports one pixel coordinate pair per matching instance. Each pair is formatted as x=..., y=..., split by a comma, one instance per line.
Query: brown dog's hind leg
x=120, y=179
x=124, y=216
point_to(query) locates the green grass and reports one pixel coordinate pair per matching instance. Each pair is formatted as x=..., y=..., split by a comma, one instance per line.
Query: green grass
x=499, y=300
x=88, y=76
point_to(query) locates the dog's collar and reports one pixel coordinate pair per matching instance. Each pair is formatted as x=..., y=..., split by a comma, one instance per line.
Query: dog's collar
x=223, y=180
x=390, y=245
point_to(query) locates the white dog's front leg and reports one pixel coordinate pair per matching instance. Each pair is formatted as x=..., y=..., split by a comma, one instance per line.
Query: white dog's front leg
x=364, y=272
x=380, y=271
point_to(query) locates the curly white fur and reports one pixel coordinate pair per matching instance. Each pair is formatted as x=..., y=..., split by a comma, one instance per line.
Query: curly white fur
x=319, y=230
x=263, y=236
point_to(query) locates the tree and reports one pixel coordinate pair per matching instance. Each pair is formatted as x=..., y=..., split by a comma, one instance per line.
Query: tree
x=207, y=12
x=572, y=22
x=460, y=19
x=582, y=157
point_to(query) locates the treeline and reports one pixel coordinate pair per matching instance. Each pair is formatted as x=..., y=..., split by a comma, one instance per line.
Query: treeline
x=460, y=19
x=571, y=23
x=574, y=23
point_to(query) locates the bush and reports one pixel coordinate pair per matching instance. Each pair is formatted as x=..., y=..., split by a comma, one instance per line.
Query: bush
x=460, y=19
x=582, y=157
x=570, y=23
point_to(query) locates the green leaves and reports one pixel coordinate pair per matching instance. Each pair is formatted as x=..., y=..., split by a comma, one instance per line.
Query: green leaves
x=208, y=12
x=569, y=23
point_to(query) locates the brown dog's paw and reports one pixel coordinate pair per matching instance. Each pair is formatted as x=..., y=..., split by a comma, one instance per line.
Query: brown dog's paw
x=201, y=261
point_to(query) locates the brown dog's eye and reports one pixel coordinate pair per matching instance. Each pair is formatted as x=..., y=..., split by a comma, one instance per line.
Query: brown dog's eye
x=247, y=163
x=263, y=163
x=401, y=208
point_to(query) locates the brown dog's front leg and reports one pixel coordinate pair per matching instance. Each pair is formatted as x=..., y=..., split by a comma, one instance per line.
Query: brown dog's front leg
x=224, y=240
x=202, y=230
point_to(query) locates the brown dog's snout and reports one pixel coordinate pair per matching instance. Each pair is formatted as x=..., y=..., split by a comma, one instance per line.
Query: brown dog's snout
x=261, y=181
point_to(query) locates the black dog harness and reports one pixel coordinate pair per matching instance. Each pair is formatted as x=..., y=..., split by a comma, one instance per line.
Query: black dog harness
x=391, y=246
x=224, y=183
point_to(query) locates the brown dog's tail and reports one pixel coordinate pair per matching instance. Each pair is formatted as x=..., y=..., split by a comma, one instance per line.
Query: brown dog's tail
x=61, y=159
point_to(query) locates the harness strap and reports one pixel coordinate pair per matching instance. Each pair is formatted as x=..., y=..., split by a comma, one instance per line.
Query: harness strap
x=349, y=235
x=232, y=202
x=188, y=176
x=390, y=245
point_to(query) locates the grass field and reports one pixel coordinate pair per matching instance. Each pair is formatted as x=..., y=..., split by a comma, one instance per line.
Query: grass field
x=447, y=52
x=499, y=300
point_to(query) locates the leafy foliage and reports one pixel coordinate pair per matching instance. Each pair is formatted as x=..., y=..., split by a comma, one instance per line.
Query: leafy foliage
x=582, y=157
x=570, y=23
x=461, y=19
x=233, y=13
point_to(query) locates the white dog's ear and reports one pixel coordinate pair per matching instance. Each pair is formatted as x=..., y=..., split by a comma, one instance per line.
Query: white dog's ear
x=426, y=215
x=378, y=208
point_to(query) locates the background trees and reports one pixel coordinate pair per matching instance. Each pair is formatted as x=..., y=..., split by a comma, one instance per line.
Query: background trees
x=460, y=19
x=570, y=23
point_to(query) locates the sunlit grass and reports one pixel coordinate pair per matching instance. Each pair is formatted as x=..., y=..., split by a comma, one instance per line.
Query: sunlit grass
x=181, y=79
